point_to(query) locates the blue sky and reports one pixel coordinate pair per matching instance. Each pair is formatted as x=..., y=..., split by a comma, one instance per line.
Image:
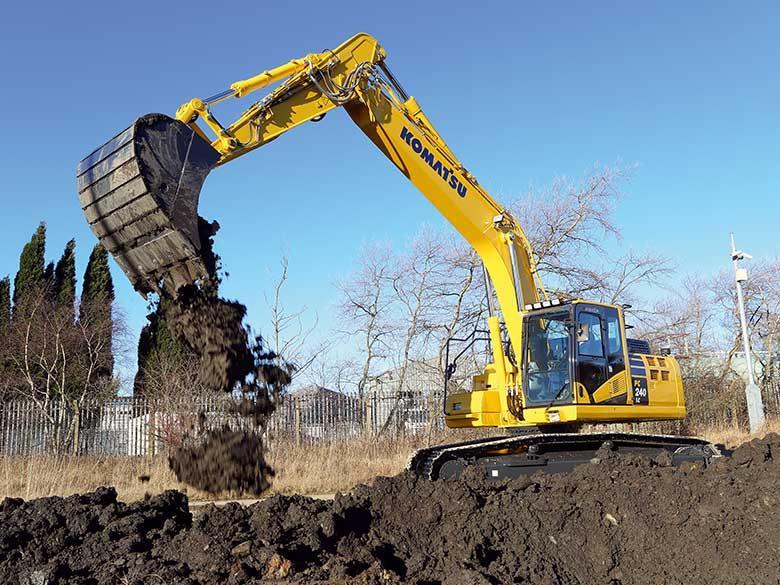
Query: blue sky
x=522, y=91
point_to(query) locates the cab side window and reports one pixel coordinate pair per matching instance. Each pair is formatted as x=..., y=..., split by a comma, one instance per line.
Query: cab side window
x=614, y=337
x=589, y=335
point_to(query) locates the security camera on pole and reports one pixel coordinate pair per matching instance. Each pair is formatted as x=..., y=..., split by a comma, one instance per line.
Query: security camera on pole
x=752, y=392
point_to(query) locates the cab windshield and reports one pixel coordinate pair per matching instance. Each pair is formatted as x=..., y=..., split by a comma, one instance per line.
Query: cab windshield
x=547, y=373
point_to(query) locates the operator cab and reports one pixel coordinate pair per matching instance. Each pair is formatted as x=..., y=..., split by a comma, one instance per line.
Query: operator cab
x=570, y=352
x=577, y=366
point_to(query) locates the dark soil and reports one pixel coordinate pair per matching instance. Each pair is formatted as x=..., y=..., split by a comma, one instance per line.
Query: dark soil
x=620, y=520
x=223, y=460
x=231, y=361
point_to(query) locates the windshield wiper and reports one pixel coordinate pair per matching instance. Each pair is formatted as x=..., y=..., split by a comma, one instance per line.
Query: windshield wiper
x=558, y=395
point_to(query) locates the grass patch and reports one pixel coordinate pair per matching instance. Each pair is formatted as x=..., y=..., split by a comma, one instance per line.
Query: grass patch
x=323, y=468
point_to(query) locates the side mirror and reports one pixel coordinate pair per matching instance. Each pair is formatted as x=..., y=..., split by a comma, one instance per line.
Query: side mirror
x=583, y=332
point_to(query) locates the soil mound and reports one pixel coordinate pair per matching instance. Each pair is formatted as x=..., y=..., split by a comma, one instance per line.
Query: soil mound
x=621, y=520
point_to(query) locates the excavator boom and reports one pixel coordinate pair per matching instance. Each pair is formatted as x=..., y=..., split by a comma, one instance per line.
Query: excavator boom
x=140, y=190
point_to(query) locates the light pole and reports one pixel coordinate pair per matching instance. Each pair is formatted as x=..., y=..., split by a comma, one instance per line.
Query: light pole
x=752, y=392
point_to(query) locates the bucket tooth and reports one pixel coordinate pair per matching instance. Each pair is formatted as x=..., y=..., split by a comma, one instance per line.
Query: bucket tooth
x=140, y=192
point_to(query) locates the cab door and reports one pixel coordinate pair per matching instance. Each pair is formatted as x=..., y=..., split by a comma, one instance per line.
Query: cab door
x=616, y=361
x=592, y=366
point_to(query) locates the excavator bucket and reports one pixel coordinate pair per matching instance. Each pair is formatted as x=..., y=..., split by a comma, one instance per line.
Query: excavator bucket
x=140, y=192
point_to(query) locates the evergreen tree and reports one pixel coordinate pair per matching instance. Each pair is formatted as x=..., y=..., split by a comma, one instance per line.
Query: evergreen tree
x=48, y=274
x=30, y=276
x=48, y=282
x=5, y=303
x=98, y=286
x=156, y=341
x=64, y=289
x=97, y=296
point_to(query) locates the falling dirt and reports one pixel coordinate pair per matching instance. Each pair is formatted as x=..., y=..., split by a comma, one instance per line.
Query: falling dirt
x=621, y=520
x=223, y=460
x=213, y=329
x=231, y=361
x=227, y=459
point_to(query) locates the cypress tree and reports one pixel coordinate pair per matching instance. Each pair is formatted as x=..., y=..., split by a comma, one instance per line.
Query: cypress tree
x=5, y=303
x=98, y=286
x=48, y=274
x=48, y=283
x=64, y=291
x=97, y=296
x=156, y=341
x=30, y=276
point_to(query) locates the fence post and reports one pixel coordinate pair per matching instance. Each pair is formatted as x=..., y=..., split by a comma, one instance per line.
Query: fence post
x=369, y=418
x=76, y=429
x=297, y=414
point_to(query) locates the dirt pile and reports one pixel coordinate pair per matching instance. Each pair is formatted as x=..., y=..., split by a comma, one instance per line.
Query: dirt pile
x=621, y=520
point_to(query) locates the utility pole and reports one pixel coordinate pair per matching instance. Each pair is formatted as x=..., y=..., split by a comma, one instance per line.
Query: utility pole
x=755, y=405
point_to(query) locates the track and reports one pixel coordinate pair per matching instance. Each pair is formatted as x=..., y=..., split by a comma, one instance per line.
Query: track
x=508, y=457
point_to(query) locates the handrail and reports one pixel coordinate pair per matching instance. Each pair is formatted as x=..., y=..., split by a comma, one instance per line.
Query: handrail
x=450, y=367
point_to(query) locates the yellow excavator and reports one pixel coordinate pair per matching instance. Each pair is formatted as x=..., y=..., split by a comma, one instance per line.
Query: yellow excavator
x=556, y=365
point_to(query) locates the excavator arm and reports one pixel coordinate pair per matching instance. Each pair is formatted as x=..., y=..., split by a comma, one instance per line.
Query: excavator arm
x=140, y=190
x=355, y=76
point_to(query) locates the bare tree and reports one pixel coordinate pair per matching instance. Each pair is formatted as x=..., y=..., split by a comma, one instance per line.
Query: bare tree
x=174, y=393
x=290, y=337
x=412, y=287
x=367, y=310
x=35, y=347
x=698, y=321
x=96, y=331
x=56, y=362
x=334, y=373
x=567, y=224
x=684, y=320
x=762, y=303
x=457, y=305
x=632, y=271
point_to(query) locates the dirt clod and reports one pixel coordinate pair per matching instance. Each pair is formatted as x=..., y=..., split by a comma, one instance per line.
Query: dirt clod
x=223, y=460
x=626, y=520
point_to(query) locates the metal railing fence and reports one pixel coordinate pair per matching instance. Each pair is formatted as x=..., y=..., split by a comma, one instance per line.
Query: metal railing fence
x=139, y=426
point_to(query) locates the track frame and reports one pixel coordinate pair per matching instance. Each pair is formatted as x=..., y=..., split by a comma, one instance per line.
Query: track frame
x=508, y=457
